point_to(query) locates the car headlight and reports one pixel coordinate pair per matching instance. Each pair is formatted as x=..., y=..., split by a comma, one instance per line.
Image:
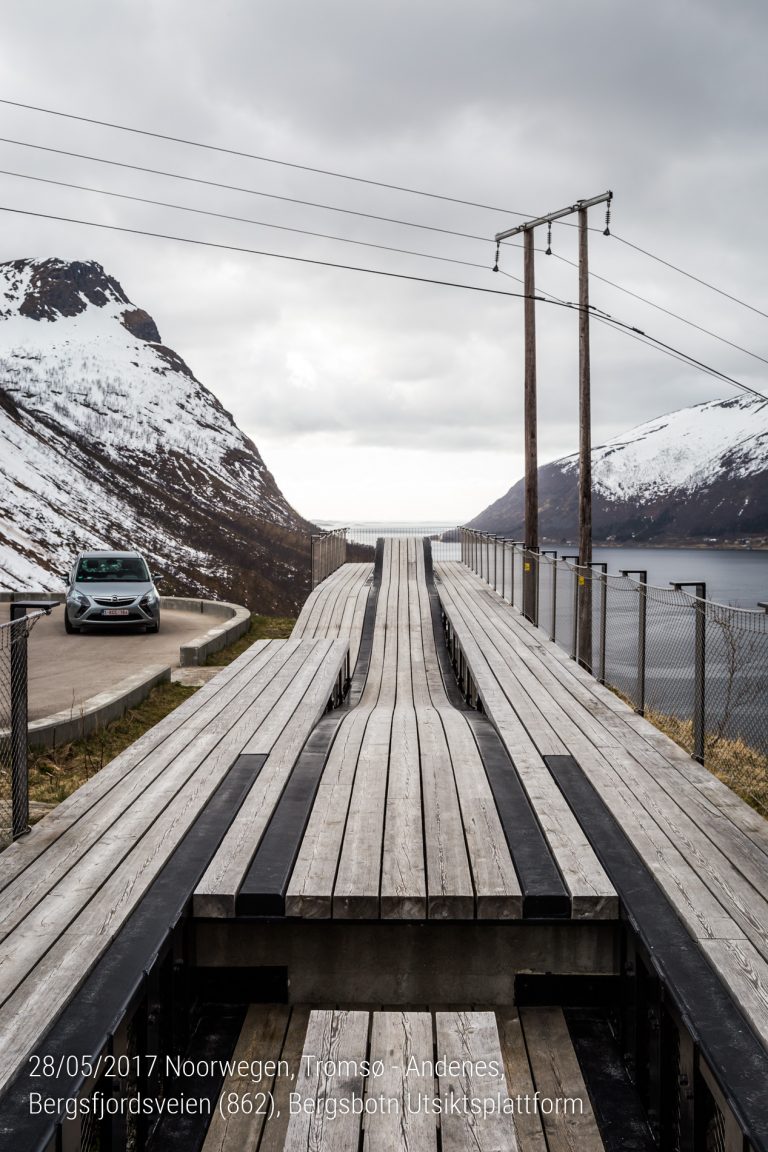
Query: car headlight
x=148, y=600
x=78, y=598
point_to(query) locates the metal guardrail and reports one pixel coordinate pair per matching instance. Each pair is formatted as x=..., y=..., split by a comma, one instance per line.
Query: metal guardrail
x=328, y=552
x=14, y=783
x=696, y=668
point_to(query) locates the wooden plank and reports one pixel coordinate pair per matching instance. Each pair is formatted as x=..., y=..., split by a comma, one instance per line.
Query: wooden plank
x=358, y=880
x=357, y=886
x=496, y=884
x=528, y=1128
x=261, y=1040
x=335, y=1040
x=745, y=972
x=276, y=1126
x=403, y=879
x=217, y=891
x=397, y=1039
x=592, y=894
x=472, y=1039
x=310, y=891
x=558, y=1078
x=450, y=893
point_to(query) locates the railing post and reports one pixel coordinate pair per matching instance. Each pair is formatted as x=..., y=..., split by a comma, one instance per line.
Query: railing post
x=495, y=561
x=603, y=567
x=19, y=716
x=642, y=618
x=575, y=643
x=699, y=663
x=553, y=553
x=19, y=692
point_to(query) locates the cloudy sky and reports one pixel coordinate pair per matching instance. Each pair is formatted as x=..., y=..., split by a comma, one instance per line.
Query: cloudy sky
x=371, y=397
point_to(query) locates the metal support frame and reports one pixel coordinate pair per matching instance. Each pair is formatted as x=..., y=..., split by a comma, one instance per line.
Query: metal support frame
x=642, y=632
x=575, y=641
x=699, y=663
x=603, y=568
x=553, y=553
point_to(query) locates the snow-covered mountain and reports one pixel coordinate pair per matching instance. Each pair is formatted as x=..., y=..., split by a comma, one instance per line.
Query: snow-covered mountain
x=108, y=440
x=700, y=473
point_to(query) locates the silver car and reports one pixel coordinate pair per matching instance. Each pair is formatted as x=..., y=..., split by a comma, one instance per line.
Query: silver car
x=111, y=588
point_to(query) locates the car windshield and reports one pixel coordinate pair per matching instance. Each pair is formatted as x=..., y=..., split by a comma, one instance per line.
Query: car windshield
x=127, y=569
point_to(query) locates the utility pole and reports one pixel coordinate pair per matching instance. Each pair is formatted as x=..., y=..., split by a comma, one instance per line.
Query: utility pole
x=531, y=533
x=584, y=610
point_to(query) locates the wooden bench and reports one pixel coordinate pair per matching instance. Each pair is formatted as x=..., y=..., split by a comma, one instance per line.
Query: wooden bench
x=707, y=850
x=336, y=607
x=404, y=824
x=68, y=888
x=323, y=1100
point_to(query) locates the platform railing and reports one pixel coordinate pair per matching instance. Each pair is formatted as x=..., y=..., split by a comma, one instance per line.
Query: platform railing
x=328, y=552
x=697, y=668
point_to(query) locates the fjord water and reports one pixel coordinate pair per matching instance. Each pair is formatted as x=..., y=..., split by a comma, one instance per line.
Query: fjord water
x=738, y=577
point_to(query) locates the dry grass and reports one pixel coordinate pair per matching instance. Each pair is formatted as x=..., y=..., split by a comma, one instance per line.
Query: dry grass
x=54, y=773
x=743, y=768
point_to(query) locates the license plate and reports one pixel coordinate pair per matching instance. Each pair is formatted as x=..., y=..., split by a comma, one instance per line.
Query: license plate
x=116, y=612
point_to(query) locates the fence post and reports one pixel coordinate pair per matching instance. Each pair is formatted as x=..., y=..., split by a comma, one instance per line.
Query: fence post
x=495, y=561
x=553, y=553
x=19, y=716
x=20, y=711
x=699, y=664
x=642, y=617
x=603, y=567
x=575, y=643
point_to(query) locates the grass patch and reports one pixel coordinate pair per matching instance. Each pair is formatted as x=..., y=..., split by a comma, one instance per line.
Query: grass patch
x=743, y=768
x=54, y=773
x=261, y=628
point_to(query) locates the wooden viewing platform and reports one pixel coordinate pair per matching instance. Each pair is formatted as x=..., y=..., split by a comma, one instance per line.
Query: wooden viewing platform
x=415, y=826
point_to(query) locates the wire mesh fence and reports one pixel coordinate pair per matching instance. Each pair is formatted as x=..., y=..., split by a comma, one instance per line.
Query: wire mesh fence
x=696, y=668
x=14, y=791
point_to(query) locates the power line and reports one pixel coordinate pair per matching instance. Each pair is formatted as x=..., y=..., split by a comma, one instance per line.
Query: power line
x=262, y=159
x=237, y=188
x=666, y=311
x=373, y=272
x=261, y=252
x=690, y=275
x=652, y=341
x=240, y=219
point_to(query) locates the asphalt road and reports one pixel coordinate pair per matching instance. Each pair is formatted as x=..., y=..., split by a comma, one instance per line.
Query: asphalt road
x=66, y=670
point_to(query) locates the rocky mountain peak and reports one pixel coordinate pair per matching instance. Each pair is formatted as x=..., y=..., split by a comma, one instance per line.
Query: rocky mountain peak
x=52, y=288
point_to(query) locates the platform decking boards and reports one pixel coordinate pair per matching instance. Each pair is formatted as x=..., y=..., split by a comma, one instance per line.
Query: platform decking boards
x=412, y=1104
x=72, y=883
x=404, y=824
x=707, y=850
x=337, y=606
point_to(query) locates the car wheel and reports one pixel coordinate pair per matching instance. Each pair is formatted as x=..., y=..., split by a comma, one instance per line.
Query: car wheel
x=68, y=625
x=154, y=627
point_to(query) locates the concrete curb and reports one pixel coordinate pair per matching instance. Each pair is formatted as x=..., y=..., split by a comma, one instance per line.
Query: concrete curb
x=235, y=621
x=94, y=713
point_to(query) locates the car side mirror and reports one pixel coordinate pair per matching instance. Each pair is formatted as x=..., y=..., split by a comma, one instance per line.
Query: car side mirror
x=157, y=579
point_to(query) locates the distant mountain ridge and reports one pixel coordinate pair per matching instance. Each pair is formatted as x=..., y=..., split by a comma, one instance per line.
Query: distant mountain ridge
x=107, y=439
x=698, y=474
